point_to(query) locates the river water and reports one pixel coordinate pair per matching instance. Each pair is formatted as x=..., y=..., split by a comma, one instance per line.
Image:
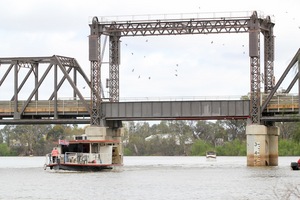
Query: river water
x=143, y=178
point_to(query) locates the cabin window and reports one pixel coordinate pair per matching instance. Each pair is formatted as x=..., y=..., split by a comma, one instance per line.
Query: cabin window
x=79, y=148
x=94, y=148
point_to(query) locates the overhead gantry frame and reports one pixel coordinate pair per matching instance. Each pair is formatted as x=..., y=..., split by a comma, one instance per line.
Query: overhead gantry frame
x=252, y=24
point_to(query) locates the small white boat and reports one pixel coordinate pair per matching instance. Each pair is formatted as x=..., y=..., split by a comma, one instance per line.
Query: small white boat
x=211, y=155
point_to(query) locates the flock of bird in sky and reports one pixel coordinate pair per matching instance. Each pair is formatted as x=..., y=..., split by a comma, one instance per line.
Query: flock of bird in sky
x=176, y=66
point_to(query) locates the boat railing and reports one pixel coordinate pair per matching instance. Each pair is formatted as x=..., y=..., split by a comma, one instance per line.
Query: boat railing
x=80, y=158
x=84, y=158
x=48, y=159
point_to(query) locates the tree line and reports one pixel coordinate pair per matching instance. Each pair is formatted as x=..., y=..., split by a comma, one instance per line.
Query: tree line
x=195, y=138
x=166, y=138
x=36, y=140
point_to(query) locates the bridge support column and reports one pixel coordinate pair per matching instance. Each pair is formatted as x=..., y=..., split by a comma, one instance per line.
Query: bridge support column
x=257, y=145
x=107, y=133
x=273, y=132
x=262, y=145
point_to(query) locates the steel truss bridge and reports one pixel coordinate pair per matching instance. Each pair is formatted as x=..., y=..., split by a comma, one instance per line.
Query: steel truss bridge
x=260, y=108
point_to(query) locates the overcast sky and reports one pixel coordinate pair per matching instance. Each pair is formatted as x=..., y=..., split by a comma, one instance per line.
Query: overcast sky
x=198, y=65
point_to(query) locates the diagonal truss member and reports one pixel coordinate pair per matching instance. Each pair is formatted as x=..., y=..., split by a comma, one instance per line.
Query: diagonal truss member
x=252, y=24
x=64, y=65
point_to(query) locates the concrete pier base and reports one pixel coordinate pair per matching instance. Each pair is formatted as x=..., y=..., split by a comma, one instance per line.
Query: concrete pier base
x=106, y=133
x=273, y=132
x=96, y=133
x=262, y=145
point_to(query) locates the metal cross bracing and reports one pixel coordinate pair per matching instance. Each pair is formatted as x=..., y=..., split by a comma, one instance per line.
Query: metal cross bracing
x=61, y=67
x=252, y=24
x=95, y=59
x=114, y=44
x=295, y=61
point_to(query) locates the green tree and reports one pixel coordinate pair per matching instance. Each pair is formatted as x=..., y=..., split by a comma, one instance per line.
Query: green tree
x=4, y=150
x=233, y=148
x=182, y=134
x=236, y=129
x=296, y=132
x=57, y=132
x=1, y=137
x=137, y=145
x=161, y=128
x=29, y=139
x=288, y=147
x=202, y=130
x=287, y=129
x=5, y=133
x=210, y=131
x=200, y=147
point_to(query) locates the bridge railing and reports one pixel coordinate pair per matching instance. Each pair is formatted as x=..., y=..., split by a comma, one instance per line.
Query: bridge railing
x=170, y=16
x=44, y=106
x=282, y=102
x=180, y=98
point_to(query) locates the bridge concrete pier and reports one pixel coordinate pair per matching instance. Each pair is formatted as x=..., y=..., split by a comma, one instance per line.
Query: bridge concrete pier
x=273, y=132
x=262, y=145
x=107, y=133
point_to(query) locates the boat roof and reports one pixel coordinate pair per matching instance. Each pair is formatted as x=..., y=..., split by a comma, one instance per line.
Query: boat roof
x=92, y=141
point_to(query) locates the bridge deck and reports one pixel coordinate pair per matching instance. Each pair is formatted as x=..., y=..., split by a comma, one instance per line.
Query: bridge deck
x=74, y=111
x=283, y=103
x=44, y=108
x=226, y=109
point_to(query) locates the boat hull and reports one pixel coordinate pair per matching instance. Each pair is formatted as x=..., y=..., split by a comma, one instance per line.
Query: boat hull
x=79, y=167
x=211, y=155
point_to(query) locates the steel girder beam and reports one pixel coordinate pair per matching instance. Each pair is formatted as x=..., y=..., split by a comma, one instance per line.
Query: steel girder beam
x=33, y=69
x=257, y=26
x=269, y=79
x=43, y=121
x=295, y=59
x=63, y=63
x=114, y=55
x=66, y=64
x=16, y=115
x=175, y=27
x=254, y=53
x=95, y=59
x=255, y=89
x=34, y=90
x=298, y=75
x=6, y=73
x=95, y=81
x=36, y=78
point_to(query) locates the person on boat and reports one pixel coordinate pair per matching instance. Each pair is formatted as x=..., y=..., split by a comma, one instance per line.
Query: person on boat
x=54, y=155
x=299, y=162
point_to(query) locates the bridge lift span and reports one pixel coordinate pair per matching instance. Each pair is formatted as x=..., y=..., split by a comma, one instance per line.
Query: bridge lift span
x=252, y=24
